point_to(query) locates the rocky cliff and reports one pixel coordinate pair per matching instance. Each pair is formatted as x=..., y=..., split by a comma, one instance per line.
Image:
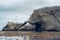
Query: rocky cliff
x=50, y=17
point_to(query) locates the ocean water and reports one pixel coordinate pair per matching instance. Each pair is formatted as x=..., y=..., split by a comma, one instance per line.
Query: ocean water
x=14, y=38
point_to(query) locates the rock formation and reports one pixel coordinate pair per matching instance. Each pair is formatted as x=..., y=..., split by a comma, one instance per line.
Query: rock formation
x=50, y=17
x=16, y=27
x=11, y=26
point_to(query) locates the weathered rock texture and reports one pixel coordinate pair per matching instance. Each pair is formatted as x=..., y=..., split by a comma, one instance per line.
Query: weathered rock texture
x=16, y=27
x=50, y=17
x=11, y=26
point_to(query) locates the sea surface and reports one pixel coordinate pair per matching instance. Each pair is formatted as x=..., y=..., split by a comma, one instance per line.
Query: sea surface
x=14, y=38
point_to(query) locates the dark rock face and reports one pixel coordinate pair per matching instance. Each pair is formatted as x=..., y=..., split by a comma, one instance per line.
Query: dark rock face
x=50, y=17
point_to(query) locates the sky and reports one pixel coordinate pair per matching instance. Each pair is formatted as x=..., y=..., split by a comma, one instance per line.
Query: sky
x=20, y=10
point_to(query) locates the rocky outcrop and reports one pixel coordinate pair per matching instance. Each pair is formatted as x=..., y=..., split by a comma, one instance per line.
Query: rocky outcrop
x=50, y=17
x=11, y=26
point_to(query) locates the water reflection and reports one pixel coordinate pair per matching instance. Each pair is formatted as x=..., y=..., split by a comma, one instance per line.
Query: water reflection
x=14, y=38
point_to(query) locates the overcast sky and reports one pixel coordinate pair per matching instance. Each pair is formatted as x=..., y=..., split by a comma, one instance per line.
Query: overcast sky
x=20, y=10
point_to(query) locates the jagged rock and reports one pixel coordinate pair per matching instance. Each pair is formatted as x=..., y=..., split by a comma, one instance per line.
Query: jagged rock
x=16, y=27
x=11, y=26
x=27, y=28
x=50, y=17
